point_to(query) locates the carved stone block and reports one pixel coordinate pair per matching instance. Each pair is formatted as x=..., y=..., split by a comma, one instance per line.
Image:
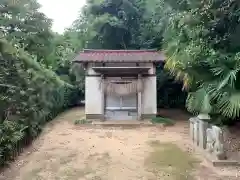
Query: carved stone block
x=202, y=125
x=192, y=121
x=196, y=132
x=215, y=142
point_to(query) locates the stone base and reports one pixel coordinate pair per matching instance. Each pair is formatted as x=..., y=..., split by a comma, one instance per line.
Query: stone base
x=123, y=124
x=95, y=117
x=219, y=163
x=215, y=162
x=148, y=116
x=101, y=117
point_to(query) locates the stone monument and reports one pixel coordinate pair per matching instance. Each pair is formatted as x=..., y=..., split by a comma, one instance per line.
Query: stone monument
x=215, y=142
x=198, y=130
x=194, y=129
x=202, y=132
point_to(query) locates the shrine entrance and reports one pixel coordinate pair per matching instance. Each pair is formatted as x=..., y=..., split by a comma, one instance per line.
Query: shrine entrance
x=122, y=92
x=122, y=106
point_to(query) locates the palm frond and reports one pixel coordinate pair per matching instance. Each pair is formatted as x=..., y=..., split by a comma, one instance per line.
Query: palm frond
x=199, y=101
x=229, y=105
x=229, y=79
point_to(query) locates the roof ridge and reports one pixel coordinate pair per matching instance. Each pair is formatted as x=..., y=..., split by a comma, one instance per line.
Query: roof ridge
x=98, y=55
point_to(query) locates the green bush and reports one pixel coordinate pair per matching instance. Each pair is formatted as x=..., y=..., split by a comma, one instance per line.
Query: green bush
x=162, y=120
x=169, y=91
x=81, y=121
x=30, y=96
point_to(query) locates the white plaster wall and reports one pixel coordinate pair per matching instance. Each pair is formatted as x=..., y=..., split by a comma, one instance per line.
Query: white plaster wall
x=93, y=96
x=151, y=65
x=149, y=96
x=89, y=69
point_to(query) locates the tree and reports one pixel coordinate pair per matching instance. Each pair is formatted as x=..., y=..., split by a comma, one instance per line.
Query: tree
x=33, y=61
x=202, y=50
x=22, y=23
x=110, y=24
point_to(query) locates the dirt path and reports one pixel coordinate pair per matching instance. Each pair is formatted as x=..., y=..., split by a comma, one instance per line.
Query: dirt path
x=68, y=152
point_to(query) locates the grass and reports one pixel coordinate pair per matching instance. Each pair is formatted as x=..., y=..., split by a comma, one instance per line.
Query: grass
x=162, y=120
x=168, y=161
x=75, y=174
x=81, y=121
x=67, y=158
x=33, y=174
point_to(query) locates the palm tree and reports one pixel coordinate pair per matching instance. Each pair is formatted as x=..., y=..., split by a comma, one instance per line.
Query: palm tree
x=200, y=52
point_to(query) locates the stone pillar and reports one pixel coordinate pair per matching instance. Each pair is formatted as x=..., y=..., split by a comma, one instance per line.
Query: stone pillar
x=93, y=98
x=196, y=132
x=215, y=143
x=192, y=121
x=203, y=125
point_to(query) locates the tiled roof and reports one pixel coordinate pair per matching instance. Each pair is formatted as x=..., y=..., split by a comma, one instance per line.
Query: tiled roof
x=119, y=56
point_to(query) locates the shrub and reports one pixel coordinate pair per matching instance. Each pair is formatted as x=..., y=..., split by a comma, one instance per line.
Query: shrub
x=81, y=121
x=162, y=120
x=30, y=96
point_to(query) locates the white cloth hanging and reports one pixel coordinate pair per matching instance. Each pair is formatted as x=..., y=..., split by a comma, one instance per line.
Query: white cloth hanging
x=121, y=87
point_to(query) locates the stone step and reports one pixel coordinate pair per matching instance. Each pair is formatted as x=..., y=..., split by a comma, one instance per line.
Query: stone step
x=123, y=123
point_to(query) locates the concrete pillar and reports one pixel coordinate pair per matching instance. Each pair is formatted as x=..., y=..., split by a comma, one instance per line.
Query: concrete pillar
x=93, y=98
x=149, y=97
x=103, y=99
x=195, y=132
x=192, y=121
x=139, y=105
x=203, y=125
x=139, y=96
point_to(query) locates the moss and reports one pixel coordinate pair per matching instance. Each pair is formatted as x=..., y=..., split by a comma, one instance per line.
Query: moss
x=169, y=161
x=162, y=120
x=82, y=121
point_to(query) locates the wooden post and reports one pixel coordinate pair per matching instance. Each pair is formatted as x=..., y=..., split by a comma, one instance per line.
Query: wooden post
x=139, y=99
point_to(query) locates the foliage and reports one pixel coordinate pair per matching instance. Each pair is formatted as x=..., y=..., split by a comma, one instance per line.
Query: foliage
x=108, y=24
x=120, y=24
x=81, y=121
x=162, y=120
x=21, y=22
x=202, y=49
x=30, y=95
x=36, y=80
x=169, y=91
